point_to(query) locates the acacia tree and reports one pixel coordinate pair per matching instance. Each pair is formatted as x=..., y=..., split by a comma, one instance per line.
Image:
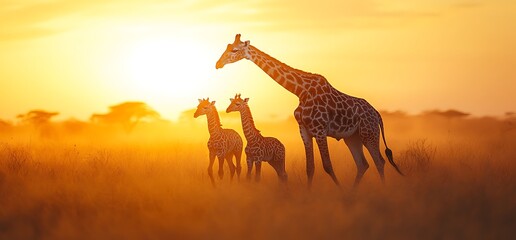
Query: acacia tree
x=36, y=117
x=40, y=120
x=127, y=114
x=449, y=114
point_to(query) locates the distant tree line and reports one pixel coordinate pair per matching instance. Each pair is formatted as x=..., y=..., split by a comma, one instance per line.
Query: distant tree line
x=126, y=114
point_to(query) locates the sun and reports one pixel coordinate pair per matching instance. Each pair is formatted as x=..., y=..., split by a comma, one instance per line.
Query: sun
x=158, y=66
x=167, y=72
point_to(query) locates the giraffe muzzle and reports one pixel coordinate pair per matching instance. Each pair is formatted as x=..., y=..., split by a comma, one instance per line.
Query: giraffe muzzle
x=219, y=65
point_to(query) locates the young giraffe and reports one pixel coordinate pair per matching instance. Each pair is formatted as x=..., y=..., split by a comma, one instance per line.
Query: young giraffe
x=323, y=111
x=259, y=148
x=223, y=143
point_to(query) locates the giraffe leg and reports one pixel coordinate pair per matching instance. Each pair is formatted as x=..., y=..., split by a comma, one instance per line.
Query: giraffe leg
x=280, y=160
x=279, y=167
x=374, y=149
x=229, y=160
x=309, y=153
x=210, y=168
x=355, y=146
x=249, y=169
x=221, y=166
x=238, y=158
x=322, y=142
x=258, y=170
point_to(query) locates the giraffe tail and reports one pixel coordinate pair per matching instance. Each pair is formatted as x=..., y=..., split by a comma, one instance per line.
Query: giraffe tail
x=388, y=151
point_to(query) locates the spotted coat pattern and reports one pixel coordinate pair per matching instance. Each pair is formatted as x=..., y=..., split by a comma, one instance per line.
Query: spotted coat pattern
x=323, y=112
x=259, y=148
x=223, y=143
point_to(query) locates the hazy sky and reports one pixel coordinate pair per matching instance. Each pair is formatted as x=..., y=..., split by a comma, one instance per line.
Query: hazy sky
x=79, y=57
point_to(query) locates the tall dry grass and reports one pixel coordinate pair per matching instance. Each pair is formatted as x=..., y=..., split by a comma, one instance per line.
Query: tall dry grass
x=460, y=184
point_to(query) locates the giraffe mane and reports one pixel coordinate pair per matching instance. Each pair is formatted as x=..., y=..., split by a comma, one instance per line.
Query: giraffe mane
x=285, y=65
x=238, y=96
x=252, y=119
x=250, y=114
x=217, y=118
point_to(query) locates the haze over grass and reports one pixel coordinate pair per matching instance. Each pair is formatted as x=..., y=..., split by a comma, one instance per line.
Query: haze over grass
x=97, y=182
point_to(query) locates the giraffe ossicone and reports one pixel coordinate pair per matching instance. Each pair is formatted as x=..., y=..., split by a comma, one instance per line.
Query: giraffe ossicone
x=323, y=112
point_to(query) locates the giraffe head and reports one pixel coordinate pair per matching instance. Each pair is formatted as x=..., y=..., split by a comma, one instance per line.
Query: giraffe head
x=204, y=107
x=234, y=52
x=237, y=104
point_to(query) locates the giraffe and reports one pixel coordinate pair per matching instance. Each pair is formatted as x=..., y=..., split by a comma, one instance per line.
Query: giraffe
x=323, y=112
x=223, y=143
x=259, y=148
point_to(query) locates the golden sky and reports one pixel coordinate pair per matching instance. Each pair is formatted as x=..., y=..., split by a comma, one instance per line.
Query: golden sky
x=78, y=57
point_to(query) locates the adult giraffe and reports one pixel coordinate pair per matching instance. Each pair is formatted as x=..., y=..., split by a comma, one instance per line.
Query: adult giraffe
x=323, y=111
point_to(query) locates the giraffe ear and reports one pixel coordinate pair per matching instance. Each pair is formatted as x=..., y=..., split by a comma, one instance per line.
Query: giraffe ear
x=231, y=99
x=212, y=103
x=200, y=100
x=246, y=100
x=247, y=43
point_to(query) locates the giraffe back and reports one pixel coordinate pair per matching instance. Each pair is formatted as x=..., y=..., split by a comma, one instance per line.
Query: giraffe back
x=225, y=142
x=326, y=111
x=266, y=149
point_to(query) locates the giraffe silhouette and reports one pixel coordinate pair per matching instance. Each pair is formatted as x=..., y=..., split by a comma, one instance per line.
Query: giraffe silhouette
x=223, y=143
x=323, y=112
x=259, y=148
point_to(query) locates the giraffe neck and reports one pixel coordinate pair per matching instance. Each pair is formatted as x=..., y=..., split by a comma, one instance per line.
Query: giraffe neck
x=250, y=132
x=288, y=77
x=214, y=125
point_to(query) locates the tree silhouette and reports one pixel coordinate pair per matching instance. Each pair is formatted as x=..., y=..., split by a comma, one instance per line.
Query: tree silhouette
x=509, y=122
x=397, y=113
x=37, y=117
x=40, y=120
x=449, y=114
x=127, y=114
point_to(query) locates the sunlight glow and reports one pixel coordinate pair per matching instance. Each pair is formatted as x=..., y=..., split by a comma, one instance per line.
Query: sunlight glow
x=167, y=72
x=95, y=54
x=159, y=67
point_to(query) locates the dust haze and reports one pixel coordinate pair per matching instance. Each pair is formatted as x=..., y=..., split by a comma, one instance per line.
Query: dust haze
x=142, y=177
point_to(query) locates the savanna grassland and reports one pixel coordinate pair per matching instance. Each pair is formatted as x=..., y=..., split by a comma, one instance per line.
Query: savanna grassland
x=81, y=181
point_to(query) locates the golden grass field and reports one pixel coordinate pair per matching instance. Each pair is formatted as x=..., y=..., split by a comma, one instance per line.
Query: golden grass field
x=86, y=182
